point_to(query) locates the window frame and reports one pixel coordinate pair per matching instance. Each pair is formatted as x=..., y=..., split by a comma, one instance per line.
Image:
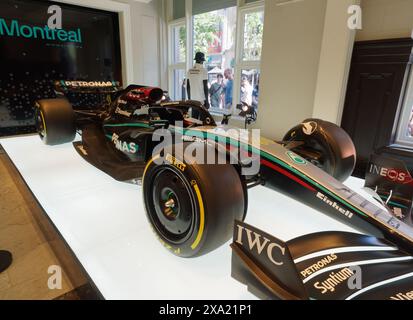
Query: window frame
x=243, y=12
x=242, y=64
x=405, y=113
x=172, y=65
x=215, y=111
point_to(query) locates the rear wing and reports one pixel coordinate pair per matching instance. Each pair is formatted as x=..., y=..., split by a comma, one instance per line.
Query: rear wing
x=87, y=86
x=87, y=94
x=321, y=266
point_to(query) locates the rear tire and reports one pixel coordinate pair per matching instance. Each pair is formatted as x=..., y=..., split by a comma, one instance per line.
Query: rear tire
x=338, y=154
x=192, y=207
x=55, y=121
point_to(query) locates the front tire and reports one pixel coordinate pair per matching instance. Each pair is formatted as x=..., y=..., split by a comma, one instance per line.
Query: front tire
x=55, y=121
x=191, y=206
x=326, y=145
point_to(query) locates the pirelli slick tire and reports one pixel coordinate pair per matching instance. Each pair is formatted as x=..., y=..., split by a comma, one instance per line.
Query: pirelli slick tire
x=191, y=206
x=55, y=121
x=338, y=154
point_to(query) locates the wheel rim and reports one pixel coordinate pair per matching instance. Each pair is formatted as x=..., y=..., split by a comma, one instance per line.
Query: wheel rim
x=321, y=158
x=173, y=206
x=325, y=161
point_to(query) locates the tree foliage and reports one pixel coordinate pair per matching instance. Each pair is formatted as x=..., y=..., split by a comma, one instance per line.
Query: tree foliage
x=254, y=27
x=206, y=30
x=182, y=43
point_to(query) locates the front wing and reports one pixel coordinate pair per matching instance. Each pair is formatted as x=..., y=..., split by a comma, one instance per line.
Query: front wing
x=322, y=266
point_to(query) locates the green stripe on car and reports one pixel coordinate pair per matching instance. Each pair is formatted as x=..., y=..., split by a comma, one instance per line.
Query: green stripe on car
x=137, y=125
x=248, y=147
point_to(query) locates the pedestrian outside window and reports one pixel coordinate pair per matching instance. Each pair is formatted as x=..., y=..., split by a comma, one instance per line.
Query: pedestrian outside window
x=248, y=69
x=231, y=37
x=214, y=33
x=250, y=87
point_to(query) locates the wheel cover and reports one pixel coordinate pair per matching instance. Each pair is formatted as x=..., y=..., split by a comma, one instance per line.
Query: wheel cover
x=322, y=157
x=325, y=161
x=173, y=205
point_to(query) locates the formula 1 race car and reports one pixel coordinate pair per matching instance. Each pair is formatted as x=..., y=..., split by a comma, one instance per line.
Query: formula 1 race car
x=139, y=136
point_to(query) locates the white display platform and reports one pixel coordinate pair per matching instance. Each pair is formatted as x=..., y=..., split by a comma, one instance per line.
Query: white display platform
x=104, y=223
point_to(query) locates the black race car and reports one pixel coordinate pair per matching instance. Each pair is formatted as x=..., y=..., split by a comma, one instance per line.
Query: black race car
x=139, y=136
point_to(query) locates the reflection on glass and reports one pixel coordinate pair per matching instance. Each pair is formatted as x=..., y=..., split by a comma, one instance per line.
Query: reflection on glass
x=179, y=44
x=410, y=126
x=250, y=87
x=178, y=85
x=214, y=34
x=253, y=31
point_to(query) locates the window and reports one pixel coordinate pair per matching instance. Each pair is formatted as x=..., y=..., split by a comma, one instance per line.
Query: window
x=250, y=49
x=178, y=92
x=249, y=93
x=179, y=44
x=177, y=60
x=231, y=38
x=252, y=37
x=405, y=124
x=214, y=34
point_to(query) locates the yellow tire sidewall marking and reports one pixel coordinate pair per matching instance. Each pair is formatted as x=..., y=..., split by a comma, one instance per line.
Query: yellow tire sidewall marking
x=147, y=167
x=200, y=202
x=201, y=218
x=43, y=121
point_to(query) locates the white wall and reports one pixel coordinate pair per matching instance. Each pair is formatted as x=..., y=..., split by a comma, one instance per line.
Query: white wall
x=386, y=19
x=293, y=35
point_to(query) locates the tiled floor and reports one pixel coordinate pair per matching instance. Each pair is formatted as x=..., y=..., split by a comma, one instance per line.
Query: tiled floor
x=26, y=233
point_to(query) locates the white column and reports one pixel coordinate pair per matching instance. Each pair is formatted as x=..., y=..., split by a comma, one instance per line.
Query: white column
x=335, y=61
x=293, y=34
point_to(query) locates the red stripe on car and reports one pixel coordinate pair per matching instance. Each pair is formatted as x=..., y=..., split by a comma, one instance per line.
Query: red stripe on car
x=287, y=174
